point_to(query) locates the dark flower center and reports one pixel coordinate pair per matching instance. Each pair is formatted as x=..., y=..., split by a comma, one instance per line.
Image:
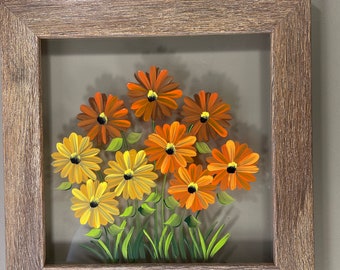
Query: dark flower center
x=152, y=96
x=128, y=174
x=232, y=167
x=170, y=149
x=102, y=119
x=204, y=117
x=93, y=204
x=192, y=188
x=75, y=159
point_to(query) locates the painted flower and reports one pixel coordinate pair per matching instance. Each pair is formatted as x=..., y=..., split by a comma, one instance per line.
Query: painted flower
x=170, y=147
x=192, y=187
x=207, y=114
x=154, y=94
x=76, y=159
x=234, y=166
x=105, y=118
x=130, y=175
x=94, y=204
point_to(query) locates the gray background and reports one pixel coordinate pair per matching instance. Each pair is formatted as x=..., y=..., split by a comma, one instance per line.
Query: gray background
x=73, y=70
x=326, y=112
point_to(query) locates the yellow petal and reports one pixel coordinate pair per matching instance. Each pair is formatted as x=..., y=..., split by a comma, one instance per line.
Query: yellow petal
x=85, y=217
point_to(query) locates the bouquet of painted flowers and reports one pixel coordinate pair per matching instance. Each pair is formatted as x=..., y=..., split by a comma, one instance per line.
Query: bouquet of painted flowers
x=144, y=202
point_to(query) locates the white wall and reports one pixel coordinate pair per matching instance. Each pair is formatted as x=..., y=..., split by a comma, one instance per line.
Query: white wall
x=326, y=127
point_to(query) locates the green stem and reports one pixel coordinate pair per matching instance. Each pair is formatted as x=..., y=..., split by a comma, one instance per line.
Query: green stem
x=125, y=144
x=156, y=223
x=163, y=197
x=197, y=214
x=137, y=216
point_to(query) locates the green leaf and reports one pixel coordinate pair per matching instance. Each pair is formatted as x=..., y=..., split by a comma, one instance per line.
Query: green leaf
x=133, y=137
x=114, y=229
x=174, y=220
x=203, y=245
x=167, y=244
x=129, y=211
x=137, y=247
x=213, y=240
x=64, y=186
x=154, y=197
x=95, y=252
x=146, y=210
x=181, y=244
x=115, y=145
x=94, y=233
x=106, y=250
x=171, y=203
x=203, y=148
x=160, y=243
x=219, y=244
x=126, y=244
x=193, y=239
x=224, y=198
x=192, y=221
x=155, y=254
x=119, y=237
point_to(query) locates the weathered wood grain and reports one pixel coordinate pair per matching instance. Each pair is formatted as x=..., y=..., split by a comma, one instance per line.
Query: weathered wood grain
x=91, y=18
x=24, y=23
x=22, y=135
x=291, y=137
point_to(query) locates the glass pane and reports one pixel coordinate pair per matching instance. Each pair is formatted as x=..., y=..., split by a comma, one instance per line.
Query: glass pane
x=237, y=67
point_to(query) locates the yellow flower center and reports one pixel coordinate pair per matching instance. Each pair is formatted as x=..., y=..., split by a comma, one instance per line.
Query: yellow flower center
x=128, y=174
x=102, y=119
x=75, y=158
x=192, y=187
x=170, y=148
x=231, y=168
x=204, y=117
x=152, y=96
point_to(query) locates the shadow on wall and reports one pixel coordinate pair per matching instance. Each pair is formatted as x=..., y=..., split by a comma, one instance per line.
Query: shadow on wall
x=321, y=176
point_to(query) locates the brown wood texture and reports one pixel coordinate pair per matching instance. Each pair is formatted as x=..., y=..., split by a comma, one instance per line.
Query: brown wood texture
x=24, y=23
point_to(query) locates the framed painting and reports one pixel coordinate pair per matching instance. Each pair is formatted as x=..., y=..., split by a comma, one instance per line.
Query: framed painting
x=25, y=26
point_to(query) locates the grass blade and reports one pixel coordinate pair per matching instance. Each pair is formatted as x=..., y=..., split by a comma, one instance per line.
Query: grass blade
x=210, y=230
x=126, y=244
x=95, y=252
x=181, y=245
x=160, y=244
x=193, y=239
x=106, y=250
x=213, y=240
x=219, y=244
x=119, y=237
x=155, y=255
x=203, y=245
x=167, y=244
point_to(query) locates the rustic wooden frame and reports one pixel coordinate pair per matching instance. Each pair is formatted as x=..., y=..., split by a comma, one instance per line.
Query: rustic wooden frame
x=25, y=23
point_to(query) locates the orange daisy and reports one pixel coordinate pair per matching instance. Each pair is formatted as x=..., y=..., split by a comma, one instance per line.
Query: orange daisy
x=193, y=187
x=234, y=165
x=154, y=94
x=105, y=118
x=207, y=114
x=170, y=147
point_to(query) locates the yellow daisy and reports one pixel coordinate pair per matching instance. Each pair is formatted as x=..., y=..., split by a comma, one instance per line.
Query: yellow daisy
x=94, y=204
x=130, y=175
x=76, y=159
